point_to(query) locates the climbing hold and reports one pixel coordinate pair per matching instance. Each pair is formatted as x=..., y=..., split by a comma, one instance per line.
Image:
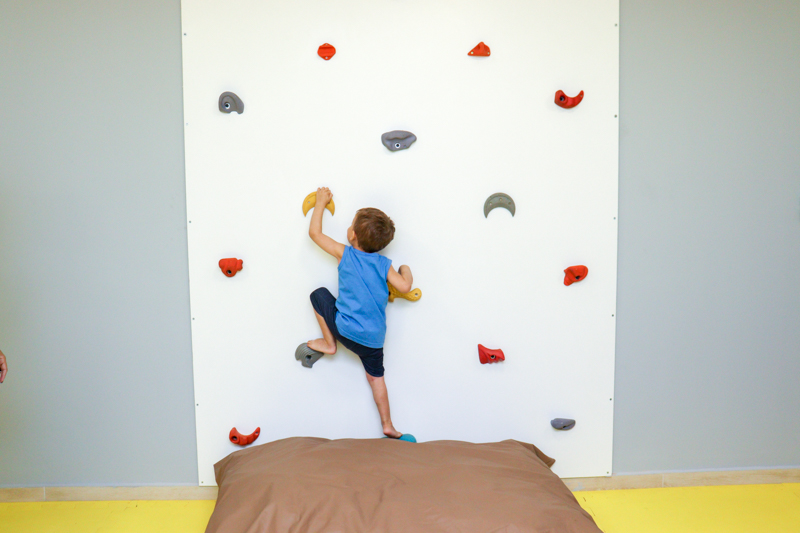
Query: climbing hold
x=230, y=266
x=243, y=440
x=398, y=140
x=326, y=51
x=568, y=102
x=229, y=102
x=412, y=296
x=311, y=201
x=490, y=356
x=563, y=423
x=405, y=437
x=480, y=50
x=499, y=199
x=306, y=355
x=575, y=274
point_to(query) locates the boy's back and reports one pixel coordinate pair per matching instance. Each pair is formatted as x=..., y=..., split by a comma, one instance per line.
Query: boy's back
x=363, y=295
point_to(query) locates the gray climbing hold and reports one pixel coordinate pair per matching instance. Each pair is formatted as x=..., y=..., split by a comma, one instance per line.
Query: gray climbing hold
x=229, y=102
x=306, y=355
x=398, y=140
x=499, y=199
x=563, y=423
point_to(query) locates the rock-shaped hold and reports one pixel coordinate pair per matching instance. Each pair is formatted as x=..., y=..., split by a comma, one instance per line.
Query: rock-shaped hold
x=499, y=199
x=575, y=274
x=568, y=102
x=480, y=50
x=230, y=266
x=229, y=102
x=398, y=140
x=490, y=356
x=564, y=424
x=310, y=201
x=326, y=51
x=243, y=440
x=412, y=296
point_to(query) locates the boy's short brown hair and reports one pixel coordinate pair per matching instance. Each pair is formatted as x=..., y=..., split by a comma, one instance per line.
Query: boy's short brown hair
x=373, y=228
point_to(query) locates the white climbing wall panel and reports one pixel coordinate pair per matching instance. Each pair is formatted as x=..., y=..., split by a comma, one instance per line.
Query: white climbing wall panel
x=484, y=125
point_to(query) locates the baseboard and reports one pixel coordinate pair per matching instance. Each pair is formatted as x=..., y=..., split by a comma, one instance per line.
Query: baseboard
x=78, y=494
x=685, y=479
x=642, y=481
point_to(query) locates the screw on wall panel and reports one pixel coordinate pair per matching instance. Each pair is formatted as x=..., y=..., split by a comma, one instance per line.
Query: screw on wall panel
x=615, y=218
x=612, y=315
x=614, y=25
x=615, y=116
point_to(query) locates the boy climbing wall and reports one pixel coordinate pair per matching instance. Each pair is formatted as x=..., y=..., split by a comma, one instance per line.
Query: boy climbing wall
x=358, y=318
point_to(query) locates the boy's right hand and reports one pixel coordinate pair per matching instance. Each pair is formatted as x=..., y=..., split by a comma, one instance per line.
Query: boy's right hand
x=324, y=197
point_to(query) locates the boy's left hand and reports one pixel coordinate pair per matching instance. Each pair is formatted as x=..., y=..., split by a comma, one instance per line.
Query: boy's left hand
x=324, y=197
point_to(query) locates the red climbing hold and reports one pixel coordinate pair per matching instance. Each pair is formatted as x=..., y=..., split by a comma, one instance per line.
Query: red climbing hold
x=490, y=356
x=326, y=51
x=230, y=266
x=568, y=102
x=243, y=440
x=480, y=50
x=575, y=274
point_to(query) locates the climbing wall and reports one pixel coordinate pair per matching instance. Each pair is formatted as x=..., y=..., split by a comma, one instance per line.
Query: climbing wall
x=484, y=124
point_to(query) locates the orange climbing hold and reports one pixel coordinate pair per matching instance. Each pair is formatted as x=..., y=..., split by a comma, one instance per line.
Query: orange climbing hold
x=326, y=51
x=230, y=266
x=243, y=440
x=575, y=274
x=490, y=356
x=480, y=50
x=568, y=102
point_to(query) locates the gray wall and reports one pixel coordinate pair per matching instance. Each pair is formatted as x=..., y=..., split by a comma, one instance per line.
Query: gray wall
x=94, y=286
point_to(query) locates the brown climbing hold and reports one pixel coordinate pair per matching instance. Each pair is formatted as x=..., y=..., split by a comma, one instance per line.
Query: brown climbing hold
x=326, y=51
x=575, y=274
x=230, y=266
x=480, y=50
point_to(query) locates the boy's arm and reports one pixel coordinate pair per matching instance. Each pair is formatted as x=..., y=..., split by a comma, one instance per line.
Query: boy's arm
x=336, y=249
x=402, y=280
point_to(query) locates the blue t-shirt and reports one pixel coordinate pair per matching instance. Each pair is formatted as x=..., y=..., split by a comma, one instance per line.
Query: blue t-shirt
x=363, y=296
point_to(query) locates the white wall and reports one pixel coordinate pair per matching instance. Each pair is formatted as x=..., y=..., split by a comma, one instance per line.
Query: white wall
x=483, y=125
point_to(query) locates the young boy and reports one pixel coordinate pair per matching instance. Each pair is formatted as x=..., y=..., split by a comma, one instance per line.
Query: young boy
x=358, y=318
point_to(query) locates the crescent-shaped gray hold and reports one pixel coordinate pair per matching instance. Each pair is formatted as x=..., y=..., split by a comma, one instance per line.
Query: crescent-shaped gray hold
x=229, y=102
x=563, y=423
x=398, y=140
x=499, y=199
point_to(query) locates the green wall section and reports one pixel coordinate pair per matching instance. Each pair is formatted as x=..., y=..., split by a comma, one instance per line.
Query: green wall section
x=94, y=292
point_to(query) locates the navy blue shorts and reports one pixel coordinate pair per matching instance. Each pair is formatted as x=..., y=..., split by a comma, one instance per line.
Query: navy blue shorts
x=325, y=304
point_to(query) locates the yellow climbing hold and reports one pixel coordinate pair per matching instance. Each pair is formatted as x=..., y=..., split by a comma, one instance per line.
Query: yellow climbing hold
x=311, y=201
x=412, y=296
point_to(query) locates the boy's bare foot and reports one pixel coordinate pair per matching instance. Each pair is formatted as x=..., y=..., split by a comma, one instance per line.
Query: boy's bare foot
x=321, y=346
x=390, y=432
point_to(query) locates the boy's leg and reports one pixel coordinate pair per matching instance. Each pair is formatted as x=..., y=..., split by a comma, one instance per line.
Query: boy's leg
x=327, y=344
x=381, y=396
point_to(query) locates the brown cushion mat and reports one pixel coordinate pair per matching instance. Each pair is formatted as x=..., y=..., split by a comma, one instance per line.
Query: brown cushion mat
x=306, y=484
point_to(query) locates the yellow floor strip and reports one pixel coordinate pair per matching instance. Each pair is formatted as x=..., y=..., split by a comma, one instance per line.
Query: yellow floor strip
x=728, y=509
x=725, y=509
x=106, y=517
